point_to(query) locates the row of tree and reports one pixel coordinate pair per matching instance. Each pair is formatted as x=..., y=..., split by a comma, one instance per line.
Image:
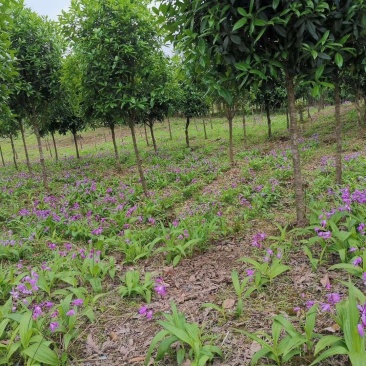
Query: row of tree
x=102, y=65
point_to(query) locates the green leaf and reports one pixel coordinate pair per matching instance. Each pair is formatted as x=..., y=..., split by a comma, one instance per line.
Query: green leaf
x=25, y=326
x=181, y=334
x=326, y=342
x=338, y=60
x=161, y=335
x=164, y=347
x=240, y=23
x=180, y=355
x=334, y=351
x=43, y=354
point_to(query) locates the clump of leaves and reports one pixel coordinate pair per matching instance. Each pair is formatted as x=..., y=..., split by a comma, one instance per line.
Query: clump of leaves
x=189, y=338
x=133, y=286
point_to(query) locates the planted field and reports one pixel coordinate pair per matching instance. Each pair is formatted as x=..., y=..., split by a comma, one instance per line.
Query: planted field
x=208, y=266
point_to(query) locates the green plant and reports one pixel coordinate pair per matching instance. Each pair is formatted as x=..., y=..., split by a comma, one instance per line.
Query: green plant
x=134, y=286
x=292, y=344
x=266, y=271
x=187, y=335
x=351, y=343
x=239, y=289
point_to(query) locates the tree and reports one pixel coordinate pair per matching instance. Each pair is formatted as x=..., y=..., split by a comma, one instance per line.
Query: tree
x=346, y=25
x=8, y=129
x=261, y=38
x=157, y=93
x=38, y=49
x=191, y=103
x=272, y=95
x=7, y=70
x=115, y=40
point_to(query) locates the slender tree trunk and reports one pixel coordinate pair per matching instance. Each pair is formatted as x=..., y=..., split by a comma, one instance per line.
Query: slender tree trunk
x=186, y=131
x=76, y=144
x=146, y=137
x=269, y=121
x=204, y=128
x=231, y=150
x=287, y=120
x=54, y=145
x=151, y=126
x=170, y=129
x=40, y=150
x=245, y=129
x=308, y=105
x=299, y=195
x=14, y=153
x=112, y=127
x=21, y=127
x=2, y=156
x=49, y=147
x=338, y=128
x=138, y=159
x=195, y=123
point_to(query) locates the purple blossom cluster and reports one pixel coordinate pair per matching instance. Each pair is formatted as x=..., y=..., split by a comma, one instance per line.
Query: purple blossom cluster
x=257, y=240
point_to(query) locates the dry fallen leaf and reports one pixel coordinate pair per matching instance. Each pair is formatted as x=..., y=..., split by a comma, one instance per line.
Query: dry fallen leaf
x=113, y=336
x=254, y=347
x=333, y=329
x=228, y=303
x=137, y=359
x=91, y=346
x=168, y=271
x=325, y=281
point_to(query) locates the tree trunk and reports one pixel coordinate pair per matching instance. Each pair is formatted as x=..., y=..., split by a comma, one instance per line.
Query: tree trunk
x=204, y=128
x=186, y=131
x=21, y=127
x=2, y=156
x=76, y=144
x=146, y=137
x=138, y=159
x=231, y=150
x=338, y=128
x=287, y=120
x=299, y=195
x=40, y=150
x=49, y=147
x=308, y=105
x=151, y=126
x=54, y=145
x=245, y=129
x=170, y=129
x=14, y=153
x=269, y=121
x=112, y=126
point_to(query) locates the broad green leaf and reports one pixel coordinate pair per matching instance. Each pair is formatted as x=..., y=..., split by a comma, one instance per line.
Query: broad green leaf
x=43, y=354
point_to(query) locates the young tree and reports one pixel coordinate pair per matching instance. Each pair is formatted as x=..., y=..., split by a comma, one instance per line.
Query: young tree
x=157, y=94
x=260, y=38
x=38, y=49
x=7, y=70
x=115, y=40
x=272, y=95
x=191, y=103
x=8, y=129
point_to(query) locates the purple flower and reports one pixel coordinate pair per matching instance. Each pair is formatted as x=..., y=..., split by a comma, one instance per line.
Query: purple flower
x=54, y=326
x=48, y=304
x=175, y=223
x=309, y=304
x=325, y=234
x=352, y=249
x=70, y=312
x=325, y=308
x=258, y=239
x=37, y=312
x=360, y=330
x=357, y=261
x=334, y=298
x=77, y=302
x=160, y=289
x=250, y=272
x=149, y=314
x=143, y=310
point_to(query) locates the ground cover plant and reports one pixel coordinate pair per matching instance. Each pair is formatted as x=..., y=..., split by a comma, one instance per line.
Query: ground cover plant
x=231, y=231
